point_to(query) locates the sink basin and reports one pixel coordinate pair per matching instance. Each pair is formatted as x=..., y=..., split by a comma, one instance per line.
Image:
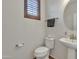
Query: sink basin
x=69, y=43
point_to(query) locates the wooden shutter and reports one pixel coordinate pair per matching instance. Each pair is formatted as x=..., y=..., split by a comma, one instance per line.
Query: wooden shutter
x=32, y=9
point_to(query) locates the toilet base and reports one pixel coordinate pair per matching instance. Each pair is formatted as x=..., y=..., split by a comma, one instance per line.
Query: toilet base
x=45, y=57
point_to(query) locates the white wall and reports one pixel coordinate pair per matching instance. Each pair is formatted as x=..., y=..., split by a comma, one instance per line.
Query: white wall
x=17, y=29
x=55, y=8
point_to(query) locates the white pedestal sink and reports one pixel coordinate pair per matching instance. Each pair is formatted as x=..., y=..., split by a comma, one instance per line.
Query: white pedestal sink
x=72, y=47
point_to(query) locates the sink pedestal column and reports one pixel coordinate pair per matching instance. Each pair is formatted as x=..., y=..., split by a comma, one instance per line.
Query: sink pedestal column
x=71, y=53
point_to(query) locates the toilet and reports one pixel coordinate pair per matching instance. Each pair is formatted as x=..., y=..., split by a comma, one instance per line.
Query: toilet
x=43, y=51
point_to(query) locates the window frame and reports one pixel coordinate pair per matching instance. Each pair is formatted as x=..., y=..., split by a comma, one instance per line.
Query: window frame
x=26, y=15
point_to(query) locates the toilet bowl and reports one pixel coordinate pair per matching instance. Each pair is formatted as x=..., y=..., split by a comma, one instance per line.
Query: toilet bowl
x=43, y=51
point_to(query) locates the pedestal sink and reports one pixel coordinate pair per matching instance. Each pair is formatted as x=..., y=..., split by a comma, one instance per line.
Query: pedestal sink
x=72, y=47
x=69, y=43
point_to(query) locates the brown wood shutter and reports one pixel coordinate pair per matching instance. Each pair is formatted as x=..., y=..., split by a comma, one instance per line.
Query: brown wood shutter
x=32, y=9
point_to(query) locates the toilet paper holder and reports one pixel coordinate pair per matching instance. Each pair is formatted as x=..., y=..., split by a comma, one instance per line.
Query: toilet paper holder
x=19, y=45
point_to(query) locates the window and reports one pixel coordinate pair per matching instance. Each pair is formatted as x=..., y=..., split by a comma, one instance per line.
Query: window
x=32, y=9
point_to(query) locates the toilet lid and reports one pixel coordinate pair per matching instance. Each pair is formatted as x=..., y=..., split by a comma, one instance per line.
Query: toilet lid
x=41, y=50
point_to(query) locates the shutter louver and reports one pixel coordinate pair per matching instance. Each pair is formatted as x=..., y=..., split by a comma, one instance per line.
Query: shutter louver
x=32, y=7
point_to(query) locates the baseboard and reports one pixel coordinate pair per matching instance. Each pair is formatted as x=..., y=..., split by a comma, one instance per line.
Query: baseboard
x=53, y=57
x=50, y=57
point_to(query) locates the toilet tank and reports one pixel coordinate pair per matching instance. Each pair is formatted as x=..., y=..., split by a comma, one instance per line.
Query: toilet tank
x=50, y=42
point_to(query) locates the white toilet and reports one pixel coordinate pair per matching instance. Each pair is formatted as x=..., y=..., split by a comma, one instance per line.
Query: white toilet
x=43, y=52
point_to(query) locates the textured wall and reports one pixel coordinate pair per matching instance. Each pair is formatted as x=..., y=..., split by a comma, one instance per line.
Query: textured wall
x=17, y=29
x=55, y=8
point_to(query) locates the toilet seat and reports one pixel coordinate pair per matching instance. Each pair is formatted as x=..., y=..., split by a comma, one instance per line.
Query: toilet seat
x=41, y=51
